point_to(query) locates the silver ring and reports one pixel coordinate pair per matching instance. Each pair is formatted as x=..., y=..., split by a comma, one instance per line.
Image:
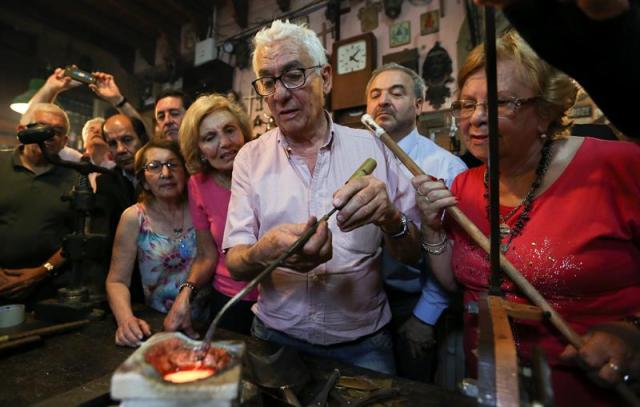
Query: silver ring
x=614, y=367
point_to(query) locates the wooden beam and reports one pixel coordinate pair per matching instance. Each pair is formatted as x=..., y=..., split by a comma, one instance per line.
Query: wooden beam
x=26, y=11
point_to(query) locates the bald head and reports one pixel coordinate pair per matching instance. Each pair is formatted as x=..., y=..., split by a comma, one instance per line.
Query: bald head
x=123, y=140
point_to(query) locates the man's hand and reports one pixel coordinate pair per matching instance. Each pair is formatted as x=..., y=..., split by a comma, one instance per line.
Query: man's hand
x=12, y=281
x=58, y=82
x=106, y=88
x=418, y=335
x=132, y=331
x=276, y=241
x=179, y=316
x=362, y=201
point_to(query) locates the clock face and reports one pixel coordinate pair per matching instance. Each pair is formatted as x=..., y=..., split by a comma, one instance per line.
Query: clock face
x=352, y=57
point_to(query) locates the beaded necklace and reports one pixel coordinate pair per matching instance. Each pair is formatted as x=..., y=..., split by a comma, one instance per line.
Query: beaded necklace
x=523, y=218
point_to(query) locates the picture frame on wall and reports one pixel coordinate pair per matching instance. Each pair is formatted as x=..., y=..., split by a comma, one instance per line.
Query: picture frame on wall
x=399, y=34
x=429, y=22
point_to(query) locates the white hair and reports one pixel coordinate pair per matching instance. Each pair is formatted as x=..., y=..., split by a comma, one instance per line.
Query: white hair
x=301, y=36
x=85, y=128
x=27, y=117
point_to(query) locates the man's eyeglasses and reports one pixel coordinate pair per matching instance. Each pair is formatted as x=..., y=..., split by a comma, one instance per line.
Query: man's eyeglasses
x=463, y=109
x=291, y=79
x=155, y=166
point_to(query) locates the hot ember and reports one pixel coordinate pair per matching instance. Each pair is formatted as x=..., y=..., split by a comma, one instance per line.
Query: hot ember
x=177, y=361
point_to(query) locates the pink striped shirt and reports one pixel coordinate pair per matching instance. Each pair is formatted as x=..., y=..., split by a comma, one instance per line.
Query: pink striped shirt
x=342, y=299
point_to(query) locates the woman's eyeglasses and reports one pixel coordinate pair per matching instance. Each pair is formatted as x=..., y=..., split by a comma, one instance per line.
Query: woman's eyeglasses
x=155, y=166
x=464, y=108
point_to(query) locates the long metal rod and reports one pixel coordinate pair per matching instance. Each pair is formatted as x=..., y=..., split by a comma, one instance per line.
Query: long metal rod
x=495, y=278
x=365, y=169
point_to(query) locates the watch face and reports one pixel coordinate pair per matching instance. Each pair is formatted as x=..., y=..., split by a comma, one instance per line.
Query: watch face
x=352, y=57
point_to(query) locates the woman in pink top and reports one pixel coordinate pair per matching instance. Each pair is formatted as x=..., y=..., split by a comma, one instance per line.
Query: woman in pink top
x=212, y=132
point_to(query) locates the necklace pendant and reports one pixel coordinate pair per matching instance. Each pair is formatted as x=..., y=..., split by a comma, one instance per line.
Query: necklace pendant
x=184, y=250
x=504, y=247
x=177, y=231
x=505, y=230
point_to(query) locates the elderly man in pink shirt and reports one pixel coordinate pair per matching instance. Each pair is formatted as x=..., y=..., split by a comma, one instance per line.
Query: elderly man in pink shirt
x=327, y=300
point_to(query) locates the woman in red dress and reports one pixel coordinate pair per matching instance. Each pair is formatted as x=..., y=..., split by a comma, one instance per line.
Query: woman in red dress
x=569, y=221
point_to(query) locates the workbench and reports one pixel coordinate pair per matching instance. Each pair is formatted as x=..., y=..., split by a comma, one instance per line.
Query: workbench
x=74, y=368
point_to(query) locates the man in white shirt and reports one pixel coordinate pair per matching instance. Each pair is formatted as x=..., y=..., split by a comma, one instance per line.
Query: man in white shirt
x=395, y=95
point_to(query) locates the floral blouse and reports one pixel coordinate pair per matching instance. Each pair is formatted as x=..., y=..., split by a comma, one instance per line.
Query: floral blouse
x=164, y=262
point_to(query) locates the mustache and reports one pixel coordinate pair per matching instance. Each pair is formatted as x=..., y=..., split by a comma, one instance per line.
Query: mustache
x=380, y=111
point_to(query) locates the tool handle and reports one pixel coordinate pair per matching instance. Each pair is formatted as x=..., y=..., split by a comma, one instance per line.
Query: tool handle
x=47, y=330
x=19, y=342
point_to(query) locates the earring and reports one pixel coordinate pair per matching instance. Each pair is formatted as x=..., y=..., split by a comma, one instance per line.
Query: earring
x=543, y=136
x=203, y=158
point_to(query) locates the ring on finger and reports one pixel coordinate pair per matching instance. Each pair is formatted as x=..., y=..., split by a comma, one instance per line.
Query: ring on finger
x=614, y=367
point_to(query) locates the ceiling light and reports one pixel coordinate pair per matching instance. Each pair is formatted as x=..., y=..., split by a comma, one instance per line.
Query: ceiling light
x=20, y=103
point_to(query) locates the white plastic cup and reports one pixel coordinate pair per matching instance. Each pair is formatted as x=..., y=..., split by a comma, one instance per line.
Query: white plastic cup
x=11, y=315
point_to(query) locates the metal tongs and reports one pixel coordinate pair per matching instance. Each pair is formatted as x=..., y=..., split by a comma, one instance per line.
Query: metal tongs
x=365, y=169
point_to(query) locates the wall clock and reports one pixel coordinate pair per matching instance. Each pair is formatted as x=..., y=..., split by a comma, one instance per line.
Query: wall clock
x=353, y=60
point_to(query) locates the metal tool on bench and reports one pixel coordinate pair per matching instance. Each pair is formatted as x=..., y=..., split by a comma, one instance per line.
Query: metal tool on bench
x=328, y=390
x=283, y=370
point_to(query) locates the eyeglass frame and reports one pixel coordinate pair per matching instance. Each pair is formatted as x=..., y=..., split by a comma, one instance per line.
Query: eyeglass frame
x=254, y=83
x=171, y=166
x=518, y=103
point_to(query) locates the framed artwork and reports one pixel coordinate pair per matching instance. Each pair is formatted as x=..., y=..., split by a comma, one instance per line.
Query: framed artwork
x=429, y=22
x=400, y=34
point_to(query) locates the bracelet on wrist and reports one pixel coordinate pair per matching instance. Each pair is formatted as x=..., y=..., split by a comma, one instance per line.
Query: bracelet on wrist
x=436, y=249
x=440, y=243
x=189, y=284
x=121, y=103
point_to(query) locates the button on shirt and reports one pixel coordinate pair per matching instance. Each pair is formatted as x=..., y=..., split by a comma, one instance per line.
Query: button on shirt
x=439, y=163
x=342, y=299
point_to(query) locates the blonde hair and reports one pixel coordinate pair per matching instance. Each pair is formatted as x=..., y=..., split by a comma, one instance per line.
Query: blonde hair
x=306, y=40
x=189, y=133
x=556, y=91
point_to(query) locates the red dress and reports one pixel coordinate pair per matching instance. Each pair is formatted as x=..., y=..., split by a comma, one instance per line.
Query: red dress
x=580, y=249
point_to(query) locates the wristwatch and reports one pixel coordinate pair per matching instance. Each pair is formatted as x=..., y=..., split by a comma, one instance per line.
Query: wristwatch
x=405, y=227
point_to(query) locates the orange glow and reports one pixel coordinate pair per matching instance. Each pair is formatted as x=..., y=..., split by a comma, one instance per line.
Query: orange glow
x=185, y=376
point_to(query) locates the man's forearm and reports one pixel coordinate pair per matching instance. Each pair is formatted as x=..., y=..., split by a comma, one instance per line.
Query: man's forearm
x=243, y=263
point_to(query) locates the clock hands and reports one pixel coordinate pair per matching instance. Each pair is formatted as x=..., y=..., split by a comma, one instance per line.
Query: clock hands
x=353, y=56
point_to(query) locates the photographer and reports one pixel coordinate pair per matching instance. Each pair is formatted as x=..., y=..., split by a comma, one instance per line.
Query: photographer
x=33, y=218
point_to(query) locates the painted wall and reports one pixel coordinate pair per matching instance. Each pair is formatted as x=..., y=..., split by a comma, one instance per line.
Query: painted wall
x=261, y=13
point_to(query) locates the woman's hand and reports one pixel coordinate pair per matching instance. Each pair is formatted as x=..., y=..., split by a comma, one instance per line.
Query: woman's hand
x=179, y=316
x=611, y=350
x=432, y=197
x=132, y=331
